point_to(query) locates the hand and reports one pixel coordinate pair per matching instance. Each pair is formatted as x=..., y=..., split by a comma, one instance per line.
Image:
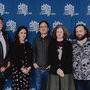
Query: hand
x=28, y=69
x=24, y=70
x=60, y=72
x=35, y=66
x=48, y=67
x=8, y=64
x=2, y=69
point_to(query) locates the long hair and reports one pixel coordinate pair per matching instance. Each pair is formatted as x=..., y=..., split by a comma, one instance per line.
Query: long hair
x=16, y=40
x=64, y=30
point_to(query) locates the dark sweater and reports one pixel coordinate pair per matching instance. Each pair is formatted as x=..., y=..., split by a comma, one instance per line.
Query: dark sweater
x=66, y=60
x=41, y=51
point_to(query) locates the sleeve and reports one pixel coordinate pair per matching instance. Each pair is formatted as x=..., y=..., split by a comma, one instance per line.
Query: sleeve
x=34, y=52
x=52, y=57
x=14, y=55
x=30, y=55
x=8, y=43
x=11, y=55
x=70, y=56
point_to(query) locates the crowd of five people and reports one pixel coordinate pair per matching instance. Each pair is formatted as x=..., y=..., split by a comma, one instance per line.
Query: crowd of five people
x=57, y=62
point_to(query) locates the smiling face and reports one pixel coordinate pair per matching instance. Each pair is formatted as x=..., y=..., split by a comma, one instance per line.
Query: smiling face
x=80, y=33
x=22, y=35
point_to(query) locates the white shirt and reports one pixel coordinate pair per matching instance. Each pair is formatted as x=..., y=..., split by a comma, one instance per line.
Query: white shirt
x=3, y=42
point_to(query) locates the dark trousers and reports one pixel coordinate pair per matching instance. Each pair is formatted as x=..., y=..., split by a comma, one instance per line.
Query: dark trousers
x=2, y=81
x=41, y=76
x=82, y=84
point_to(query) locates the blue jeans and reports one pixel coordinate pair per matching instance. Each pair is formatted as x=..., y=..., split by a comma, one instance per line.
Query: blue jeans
x=41, y=76
x=82, y=84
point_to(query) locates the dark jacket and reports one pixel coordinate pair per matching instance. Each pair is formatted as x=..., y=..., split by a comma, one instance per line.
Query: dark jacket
x=66, y=60
x=3, y=61
x=41, y=51
x=21, y=55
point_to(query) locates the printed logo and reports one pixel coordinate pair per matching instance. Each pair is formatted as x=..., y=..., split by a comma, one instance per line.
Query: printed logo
x=57, y=23
x=2, y=9
x=46, y=10
x=23, y=9
x=80, y=22
x=11, y=25
x=59, y=50
x=88, y=10
x=33, y=26
x=70, y=10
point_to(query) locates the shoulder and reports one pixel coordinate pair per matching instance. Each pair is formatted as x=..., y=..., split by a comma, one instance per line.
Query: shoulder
x=74, y=41
x=88, y=39
x=4, y=33
x=67, y=42
x=52, y=44
x=37, y=39
x=67, y=45
x=28, y=45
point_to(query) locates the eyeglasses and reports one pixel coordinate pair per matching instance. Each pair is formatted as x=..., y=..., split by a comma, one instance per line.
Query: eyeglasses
x=43, y=27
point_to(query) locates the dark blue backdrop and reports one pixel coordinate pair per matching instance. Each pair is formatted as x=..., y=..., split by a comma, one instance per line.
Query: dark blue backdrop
x=30, y=12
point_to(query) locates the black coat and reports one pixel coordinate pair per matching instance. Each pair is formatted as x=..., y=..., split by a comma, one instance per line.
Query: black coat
x=21, y=55
x=66, y=60
x=4, y=61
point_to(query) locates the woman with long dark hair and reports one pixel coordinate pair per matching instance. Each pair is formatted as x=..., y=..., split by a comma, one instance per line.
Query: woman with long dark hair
x=21, y=58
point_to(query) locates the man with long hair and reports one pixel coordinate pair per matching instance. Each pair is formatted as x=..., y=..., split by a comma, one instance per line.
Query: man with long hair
x=81, y=58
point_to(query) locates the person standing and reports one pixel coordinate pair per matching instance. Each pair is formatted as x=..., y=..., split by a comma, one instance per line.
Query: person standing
x=4, y=54
x=21, y=59
x=41, y=62
x=81, y=57
x=60, y=55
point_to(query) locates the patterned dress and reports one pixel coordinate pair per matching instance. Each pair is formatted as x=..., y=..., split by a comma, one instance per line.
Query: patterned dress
x=21, y=57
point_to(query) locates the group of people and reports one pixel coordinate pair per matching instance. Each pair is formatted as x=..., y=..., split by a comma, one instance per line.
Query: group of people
x=59, y=64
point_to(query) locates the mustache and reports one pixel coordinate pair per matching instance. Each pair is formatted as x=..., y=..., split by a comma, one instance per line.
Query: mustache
x=82, y=37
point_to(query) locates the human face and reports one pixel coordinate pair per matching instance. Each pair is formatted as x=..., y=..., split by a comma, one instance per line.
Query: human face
x=43, y=28
x=80, y=33
x=22, y=35
x=1, y=25
x=59, y=33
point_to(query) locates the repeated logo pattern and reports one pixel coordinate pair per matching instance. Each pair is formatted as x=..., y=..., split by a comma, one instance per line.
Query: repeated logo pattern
x=33, y=26
x=46, y=10
x=2, y=9
x=55, y=23
x=23, y=9
x=11, y=25
x=70, y=10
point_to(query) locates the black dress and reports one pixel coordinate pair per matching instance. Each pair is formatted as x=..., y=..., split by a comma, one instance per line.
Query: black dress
x=21, y=57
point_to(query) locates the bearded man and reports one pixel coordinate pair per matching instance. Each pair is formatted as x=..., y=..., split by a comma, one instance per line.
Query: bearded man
x=81, y=57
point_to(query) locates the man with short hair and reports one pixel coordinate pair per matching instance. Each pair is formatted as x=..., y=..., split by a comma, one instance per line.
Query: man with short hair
x=41, y=62
x=4, y=49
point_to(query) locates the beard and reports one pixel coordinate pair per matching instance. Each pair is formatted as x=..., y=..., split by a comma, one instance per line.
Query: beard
x=81, y=37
